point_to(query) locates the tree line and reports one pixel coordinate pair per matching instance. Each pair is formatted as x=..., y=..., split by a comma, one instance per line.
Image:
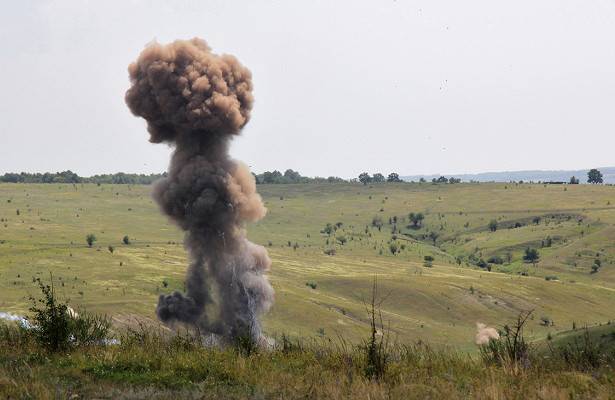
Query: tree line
x=71, y=177
x=268, y=177
x=290, y=176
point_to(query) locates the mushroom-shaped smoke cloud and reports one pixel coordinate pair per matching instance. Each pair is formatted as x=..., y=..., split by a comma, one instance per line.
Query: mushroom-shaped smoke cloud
x=196, y=101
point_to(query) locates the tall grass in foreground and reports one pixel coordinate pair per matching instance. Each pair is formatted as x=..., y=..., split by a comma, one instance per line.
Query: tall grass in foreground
x=150, y=363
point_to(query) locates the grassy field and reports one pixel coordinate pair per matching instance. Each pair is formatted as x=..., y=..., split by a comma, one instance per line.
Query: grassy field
x=43, y=230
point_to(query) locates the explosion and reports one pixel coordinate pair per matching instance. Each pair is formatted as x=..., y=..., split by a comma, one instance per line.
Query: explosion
x=196, y=101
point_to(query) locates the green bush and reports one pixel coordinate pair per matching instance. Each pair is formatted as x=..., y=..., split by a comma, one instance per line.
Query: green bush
x=495, y=260
x=56, y=327
x=90, y=239
x=50, y=319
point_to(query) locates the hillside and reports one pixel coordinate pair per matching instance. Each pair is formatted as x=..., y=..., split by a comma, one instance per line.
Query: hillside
x=439, y=304
x=526, y=176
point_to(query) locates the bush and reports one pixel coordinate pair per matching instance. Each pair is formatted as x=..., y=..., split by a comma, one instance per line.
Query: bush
x=495, y=260
x=90, y=239
x=126, y=240
x=545, y=320
x=51, y=319
x=511, y=350
x=393, y=248
x=312, y=285
x=57, y=327
x=583, y=353
x=377, y=222
x=328, y=229
x=88, y=329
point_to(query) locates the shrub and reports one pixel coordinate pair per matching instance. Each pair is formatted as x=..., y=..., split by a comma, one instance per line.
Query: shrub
x=495, y=260
x=328, y=229
x=87, y=329
x=376, y=347
x=126, y=240
x=57, y=327
x=393, y=248
x=493, y=225
x=51, y=319
x=531, y=255
x=511, y=350
x=377, y=222
x=583, y=353
x=90, y=239
x=312, y=285
x=545, y=320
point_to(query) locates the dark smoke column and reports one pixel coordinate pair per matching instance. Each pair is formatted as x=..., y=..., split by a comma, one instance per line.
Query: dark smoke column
x=197, y=101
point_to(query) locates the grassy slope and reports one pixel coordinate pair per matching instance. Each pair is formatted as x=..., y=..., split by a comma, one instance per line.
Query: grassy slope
x=439, y=304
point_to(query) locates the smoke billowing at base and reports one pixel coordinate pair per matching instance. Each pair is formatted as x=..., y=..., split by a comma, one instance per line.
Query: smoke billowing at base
x=197, y=101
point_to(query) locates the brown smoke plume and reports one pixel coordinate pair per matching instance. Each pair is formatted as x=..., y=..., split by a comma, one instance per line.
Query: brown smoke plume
x=484, y=334
x=197, y=100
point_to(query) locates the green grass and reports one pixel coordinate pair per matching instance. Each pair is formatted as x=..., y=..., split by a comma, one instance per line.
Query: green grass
x=151, y=366
x=439, y=305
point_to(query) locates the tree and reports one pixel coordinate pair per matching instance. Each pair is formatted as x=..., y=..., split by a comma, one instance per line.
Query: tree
x=493, y=225
x=574, y=180
x=378, y=177
x=90, y=239
x=291, y=176
x=393, y=177
x=416, y=219
x=434, y=236
x=126, y=239
x=328, y=229
x=594, y=176
x=364, y=178
x=377, y=222
x=531, y=255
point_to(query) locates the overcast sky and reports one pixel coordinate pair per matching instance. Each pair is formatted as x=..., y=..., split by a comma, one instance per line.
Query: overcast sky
x=340, y=86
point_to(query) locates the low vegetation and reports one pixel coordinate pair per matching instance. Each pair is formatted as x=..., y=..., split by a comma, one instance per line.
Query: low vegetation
x=61, y=355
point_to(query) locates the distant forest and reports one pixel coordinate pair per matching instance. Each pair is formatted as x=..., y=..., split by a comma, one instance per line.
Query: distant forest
x=71, y=177
x=290, y=176
x=276, y=177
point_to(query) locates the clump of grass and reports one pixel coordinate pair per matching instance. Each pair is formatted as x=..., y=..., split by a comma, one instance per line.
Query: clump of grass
x=511, y=350
x=583, y=353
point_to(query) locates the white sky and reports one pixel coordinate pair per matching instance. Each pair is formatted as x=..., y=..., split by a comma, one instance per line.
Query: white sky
x=427, y=86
